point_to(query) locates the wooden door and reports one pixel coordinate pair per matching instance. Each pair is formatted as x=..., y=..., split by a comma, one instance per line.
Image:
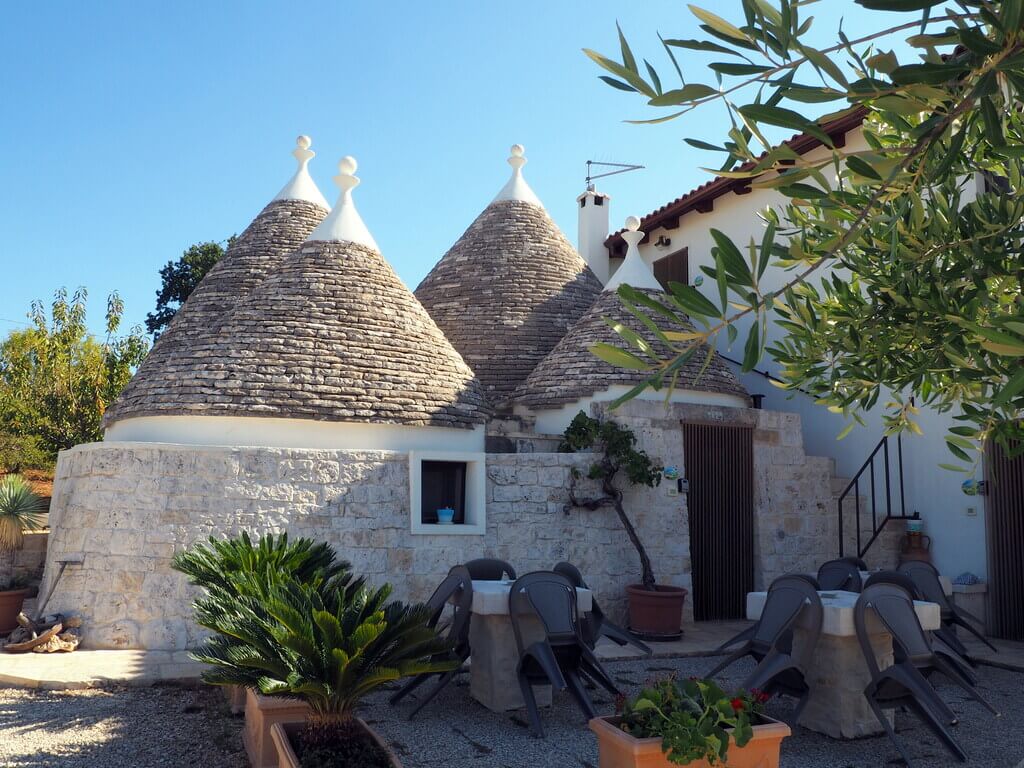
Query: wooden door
x=719, y=464
x=1004, y=530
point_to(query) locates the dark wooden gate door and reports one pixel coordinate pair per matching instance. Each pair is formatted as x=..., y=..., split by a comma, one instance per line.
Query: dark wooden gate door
x=1005, y=534
x=720, y=471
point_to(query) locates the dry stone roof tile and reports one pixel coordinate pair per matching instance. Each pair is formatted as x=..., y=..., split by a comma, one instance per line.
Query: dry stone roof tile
x=572, y=372
x=333, y=334
x=277, y=231
x=506, y=292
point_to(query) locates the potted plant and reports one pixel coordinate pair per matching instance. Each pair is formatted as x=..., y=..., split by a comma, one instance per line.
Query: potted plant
x=326, y=644
x=655, y=610
x=692, y=723
x=240, y=566
x=20, y=510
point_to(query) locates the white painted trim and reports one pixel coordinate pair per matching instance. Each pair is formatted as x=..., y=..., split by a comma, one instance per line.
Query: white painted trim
x=476, y=493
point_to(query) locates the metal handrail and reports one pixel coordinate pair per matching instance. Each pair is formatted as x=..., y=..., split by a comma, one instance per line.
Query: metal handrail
x=854, y=485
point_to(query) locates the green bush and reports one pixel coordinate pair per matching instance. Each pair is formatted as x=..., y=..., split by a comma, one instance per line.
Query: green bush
x=19, y=452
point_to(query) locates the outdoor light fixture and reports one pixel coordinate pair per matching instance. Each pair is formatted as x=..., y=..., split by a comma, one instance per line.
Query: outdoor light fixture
x=663, y=242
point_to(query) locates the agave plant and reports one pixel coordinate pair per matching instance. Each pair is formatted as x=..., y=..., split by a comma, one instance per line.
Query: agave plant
x=21, y=509
x=236, y=564
x=328, y=645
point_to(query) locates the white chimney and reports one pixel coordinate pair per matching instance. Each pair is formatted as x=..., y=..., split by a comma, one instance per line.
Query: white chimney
x=593, y=231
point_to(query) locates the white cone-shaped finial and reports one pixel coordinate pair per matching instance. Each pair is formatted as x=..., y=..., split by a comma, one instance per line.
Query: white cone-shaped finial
x=634, y=271
x=517, y=188
x=302, y=186
x=344, y=221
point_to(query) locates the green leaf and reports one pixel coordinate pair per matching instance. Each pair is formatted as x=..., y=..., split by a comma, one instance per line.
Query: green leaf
x=687, y=93
x=899, y=5
x=617, y=83
x=862, y=168
x=701, y=45
x=692, y=300
x=733, y=260
x=620, y=358
x=731, y=68
x=752, y=349
x=718, y=24
x=617, y=69
x=784, y=118
x=627, y=55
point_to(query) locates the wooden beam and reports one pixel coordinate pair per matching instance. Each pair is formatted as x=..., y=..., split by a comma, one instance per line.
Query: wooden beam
x=705, y=206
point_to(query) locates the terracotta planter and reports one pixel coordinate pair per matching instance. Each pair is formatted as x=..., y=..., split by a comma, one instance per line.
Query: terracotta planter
x=261, y=713
x=11, y=601
x=617, y=749
x=657, y=614
x=286, y=758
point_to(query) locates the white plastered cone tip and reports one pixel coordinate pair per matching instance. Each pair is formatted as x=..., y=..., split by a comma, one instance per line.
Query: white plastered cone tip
x=517, y=188
x=634, y=271
x=344, y=223
x=301, y=186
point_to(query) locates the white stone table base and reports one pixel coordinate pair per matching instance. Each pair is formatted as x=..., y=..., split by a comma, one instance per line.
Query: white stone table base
x=492, y=670
x=838, y=673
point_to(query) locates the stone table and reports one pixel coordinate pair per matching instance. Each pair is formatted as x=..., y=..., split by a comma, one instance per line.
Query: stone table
x=492, y=641
x=838, y=675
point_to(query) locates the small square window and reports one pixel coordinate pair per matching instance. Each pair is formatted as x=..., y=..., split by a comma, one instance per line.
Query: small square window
x=443, y=487
x=447, y=480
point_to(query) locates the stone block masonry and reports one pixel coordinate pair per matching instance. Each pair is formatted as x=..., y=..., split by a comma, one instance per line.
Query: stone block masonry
x=128, y=507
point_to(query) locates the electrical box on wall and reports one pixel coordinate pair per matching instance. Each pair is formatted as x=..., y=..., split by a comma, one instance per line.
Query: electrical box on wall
x=683, y=485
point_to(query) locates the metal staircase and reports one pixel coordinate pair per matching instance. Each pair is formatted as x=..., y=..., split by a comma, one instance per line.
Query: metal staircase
x=875, y=485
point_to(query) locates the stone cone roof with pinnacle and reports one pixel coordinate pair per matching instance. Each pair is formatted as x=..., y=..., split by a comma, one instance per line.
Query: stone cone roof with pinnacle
x=277, y=231
x=332, y=334
x=571, y=371
x=509, y=289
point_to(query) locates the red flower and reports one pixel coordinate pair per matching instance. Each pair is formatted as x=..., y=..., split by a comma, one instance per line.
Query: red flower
x=738, y=705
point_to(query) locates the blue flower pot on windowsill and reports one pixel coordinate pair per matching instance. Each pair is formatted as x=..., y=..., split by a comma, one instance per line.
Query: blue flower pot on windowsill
x=445, y=516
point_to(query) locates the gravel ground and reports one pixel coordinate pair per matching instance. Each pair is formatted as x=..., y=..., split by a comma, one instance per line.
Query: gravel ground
x=172, y=726
x=162, y=726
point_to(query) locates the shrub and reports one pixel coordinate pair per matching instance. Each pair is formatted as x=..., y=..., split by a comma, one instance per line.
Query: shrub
x=20, y=510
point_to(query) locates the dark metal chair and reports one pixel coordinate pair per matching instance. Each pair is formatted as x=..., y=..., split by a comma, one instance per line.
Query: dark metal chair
x=783, y=669
x=840, y=575
x=490, y=569
x=787, y=596
x=904, y=684
x=595, y=624
x=560, y=656
x=929, y=586
x=456, y=590
x=961, y=663
x=748, y=633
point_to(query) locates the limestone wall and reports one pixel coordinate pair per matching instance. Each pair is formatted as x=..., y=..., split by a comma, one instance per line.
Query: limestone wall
x=128, y=507
x=29, y=560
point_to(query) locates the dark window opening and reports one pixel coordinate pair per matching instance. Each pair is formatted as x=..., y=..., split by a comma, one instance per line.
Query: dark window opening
x=673, y=269
x=443, y=484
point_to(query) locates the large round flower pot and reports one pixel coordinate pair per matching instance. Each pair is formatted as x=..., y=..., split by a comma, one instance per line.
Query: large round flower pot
x=282, y=734
x=11, y=601
x=656, y=614
x=617, y=749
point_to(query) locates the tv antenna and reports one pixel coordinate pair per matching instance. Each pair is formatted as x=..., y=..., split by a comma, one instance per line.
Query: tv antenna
x=620, y=168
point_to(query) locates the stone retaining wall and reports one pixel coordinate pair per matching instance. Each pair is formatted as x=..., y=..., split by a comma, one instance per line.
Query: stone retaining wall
x=128, y=507
x=30, y=559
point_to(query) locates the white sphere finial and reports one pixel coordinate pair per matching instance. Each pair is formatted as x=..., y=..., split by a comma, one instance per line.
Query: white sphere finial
x=517, y=150
x=632, y=223
x=347, y=165
x=303, y=142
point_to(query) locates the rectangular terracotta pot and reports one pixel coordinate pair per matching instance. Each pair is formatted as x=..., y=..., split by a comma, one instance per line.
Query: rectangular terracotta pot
x=617, y=749
x=261, y=712
x=286, y=758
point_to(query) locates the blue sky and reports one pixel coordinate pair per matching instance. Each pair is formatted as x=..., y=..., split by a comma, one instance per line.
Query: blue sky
x=133, y=129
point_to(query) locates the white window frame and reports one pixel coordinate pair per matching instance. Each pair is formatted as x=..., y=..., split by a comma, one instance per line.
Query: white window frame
x=476, y=493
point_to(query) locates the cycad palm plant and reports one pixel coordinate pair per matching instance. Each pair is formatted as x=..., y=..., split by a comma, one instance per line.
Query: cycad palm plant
x=21, y=509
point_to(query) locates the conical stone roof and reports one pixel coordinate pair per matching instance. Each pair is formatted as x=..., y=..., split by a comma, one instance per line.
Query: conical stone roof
x=509, y=289
x=332, y=334
x=277, y=231
x=572, y=372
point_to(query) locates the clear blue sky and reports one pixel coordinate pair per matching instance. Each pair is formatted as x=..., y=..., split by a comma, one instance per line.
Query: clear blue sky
x=133, y=129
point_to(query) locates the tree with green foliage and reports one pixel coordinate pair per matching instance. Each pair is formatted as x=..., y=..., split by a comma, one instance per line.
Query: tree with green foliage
x=617, y=456
x=901, y=286
x=56, y=379
x=178, y=279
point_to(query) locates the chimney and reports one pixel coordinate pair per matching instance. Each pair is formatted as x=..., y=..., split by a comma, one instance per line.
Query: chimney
x=593, y=231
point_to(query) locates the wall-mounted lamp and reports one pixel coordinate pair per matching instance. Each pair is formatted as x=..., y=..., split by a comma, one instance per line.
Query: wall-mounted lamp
x=663, y=242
